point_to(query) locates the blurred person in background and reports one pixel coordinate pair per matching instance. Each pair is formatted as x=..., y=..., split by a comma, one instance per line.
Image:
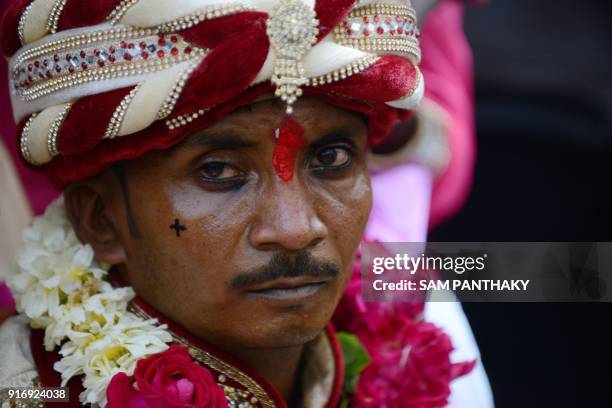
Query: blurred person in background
x=544, y=121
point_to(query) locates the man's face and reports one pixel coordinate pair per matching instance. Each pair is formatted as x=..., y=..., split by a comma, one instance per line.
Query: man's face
x=253, y=261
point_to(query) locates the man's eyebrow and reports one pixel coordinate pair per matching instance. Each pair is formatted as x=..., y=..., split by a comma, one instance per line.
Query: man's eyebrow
x=334, y=136
x=217, y=141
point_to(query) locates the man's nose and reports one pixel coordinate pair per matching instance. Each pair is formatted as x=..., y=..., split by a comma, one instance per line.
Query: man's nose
x=287, y=219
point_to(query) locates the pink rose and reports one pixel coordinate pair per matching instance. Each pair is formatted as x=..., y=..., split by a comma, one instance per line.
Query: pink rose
x=166, y=380
x=410, y=367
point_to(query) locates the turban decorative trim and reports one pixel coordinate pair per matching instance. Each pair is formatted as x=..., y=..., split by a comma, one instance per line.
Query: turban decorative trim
x=97, y=56
x=391, y=28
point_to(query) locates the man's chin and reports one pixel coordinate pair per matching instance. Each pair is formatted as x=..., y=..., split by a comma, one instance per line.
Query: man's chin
x=283, y=339
x=282, y=331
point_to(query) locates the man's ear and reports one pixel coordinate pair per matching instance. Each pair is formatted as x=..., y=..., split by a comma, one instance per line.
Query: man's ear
x=93, y=222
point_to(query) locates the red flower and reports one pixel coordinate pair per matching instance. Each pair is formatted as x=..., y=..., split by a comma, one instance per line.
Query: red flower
x=410, y=367
x=410, y=358
x=166, y=380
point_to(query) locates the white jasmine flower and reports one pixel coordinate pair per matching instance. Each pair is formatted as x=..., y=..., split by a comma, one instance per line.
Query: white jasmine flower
x=102, y=353
x=59, y=286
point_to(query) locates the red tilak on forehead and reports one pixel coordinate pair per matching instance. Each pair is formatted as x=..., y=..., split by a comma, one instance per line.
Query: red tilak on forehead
x=289, y=140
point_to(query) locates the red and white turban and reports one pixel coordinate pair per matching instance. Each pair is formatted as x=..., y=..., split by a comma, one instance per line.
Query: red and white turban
x=94, y=82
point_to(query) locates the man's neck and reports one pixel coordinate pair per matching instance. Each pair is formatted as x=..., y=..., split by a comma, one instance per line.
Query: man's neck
x=280, y=367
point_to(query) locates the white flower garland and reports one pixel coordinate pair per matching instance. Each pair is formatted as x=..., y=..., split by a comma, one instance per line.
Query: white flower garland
x=59, y=286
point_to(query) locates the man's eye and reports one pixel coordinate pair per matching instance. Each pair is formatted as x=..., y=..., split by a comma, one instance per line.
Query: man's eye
x=331, y=158
x=219, y=172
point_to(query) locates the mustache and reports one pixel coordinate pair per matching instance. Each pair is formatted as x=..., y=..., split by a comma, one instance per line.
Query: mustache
x=281, y=266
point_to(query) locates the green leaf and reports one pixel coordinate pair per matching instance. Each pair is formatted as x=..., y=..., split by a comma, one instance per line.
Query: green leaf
x=356, y=358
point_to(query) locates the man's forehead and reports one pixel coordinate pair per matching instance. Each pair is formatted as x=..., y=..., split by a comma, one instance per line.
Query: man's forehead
x=256, y=123
x=217, y=139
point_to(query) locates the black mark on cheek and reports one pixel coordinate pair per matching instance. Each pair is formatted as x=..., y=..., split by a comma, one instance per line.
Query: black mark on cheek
x=119, y=172
x=177, y=227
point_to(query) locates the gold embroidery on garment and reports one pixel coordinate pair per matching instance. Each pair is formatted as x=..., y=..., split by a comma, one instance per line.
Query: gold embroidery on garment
x=22, y=21
x=54, y=130
x=82, y=40
x=381, y=28
x=171, y=100
x=105, y=55
x=120, y=11
x=117, y=119
x=354, y=68
x=54, y=16
x=207, y=13
x=183, y=120
x=24, y=142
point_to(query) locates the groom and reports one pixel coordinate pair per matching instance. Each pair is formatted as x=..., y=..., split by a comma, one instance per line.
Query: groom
x=213, y=160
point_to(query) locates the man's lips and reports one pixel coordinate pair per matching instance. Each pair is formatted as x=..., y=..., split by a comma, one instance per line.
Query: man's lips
x=287, y=283
x=288, y=287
